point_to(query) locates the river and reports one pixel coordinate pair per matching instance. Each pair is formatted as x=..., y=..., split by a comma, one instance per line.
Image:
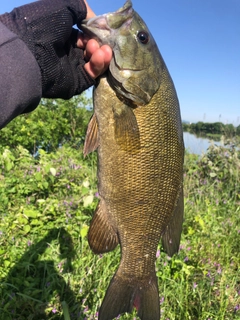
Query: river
x=196, y=144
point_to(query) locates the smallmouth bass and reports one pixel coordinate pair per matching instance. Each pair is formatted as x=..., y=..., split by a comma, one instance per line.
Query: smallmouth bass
x=137, y=131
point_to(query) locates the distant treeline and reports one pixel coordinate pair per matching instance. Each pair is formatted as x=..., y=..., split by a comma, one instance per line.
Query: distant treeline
x=215, y=128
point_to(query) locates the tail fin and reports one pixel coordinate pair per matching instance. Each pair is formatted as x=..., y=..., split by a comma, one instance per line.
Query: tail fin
x=125, y=293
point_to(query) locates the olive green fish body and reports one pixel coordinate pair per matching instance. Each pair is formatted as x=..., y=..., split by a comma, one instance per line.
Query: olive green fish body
x=140, y=161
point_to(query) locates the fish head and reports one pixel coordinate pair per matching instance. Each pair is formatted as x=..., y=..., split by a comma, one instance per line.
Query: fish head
x=135, y=69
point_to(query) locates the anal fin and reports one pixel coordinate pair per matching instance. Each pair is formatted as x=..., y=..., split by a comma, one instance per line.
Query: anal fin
x=101, y=236
x=172, y=234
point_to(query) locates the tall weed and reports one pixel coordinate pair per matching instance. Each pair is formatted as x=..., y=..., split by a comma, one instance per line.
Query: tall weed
x=46, y=265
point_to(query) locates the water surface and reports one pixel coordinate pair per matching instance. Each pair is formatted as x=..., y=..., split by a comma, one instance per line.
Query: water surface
x=197, y=145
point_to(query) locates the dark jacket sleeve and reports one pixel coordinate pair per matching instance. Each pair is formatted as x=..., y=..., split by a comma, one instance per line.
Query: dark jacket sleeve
x=20, y=77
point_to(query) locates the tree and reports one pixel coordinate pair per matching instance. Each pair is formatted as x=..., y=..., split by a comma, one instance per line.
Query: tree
x=217, y=127
x=229, y=130
x=238, y=130
x=52, y=124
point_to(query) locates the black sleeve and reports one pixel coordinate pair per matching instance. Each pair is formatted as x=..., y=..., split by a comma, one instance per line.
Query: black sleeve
x=46, y=27
x=20, y=77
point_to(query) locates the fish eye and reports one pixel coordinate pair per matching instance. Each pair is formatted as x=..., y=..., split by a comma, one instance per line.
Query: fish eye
x=143, y=37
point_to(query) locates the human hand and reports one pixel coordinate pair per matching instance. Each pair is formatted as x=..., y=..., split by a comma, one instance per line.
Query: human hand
x=98, y=57
x=46, y=28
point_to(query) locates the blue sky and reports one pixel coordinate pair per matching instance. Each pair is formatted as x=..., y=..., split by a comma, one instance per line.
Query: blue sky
x=200, y=43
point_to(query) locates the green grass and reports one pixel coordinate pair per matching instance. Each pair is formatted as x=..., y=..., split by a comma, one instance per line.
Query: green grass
x=47, y=270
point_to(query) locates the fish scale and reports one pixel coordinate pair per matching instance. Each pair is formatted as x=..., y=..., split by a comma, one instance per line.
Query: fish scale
x=138, y=135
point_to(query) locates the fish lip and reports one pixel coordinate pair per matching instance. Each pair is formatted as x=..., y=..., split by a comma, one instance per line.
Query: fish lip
x=107, y=23
x=98, y=29
x=99, y=22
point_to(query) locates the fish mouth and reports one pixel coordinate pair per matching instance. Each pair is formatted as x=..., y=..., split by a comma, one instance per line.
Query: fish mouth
x=102, y=28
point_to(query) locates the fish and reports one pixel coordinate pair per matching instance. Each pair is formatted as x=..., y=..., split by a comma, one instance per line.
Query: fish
x=136, y=129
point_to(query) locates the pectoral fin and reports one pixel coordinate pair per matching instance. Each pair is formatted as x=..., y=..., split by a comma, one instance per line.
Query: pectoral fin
x=127, y=133
x=91, y=139
x=172, y=233
x=101, y=236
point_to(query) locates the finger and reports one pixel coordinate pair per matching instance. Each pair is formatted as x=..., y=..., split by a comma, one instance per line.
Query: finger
x=90, y=13
x=96, y=64
x=107, y=54
x=82, y=40
x=91, y=47
x=99, y=61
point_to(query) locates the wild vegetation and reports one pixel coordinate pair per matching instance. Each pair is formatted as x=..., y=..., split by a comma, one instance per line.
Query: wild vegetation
x=48, y=194
x=213, y=130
